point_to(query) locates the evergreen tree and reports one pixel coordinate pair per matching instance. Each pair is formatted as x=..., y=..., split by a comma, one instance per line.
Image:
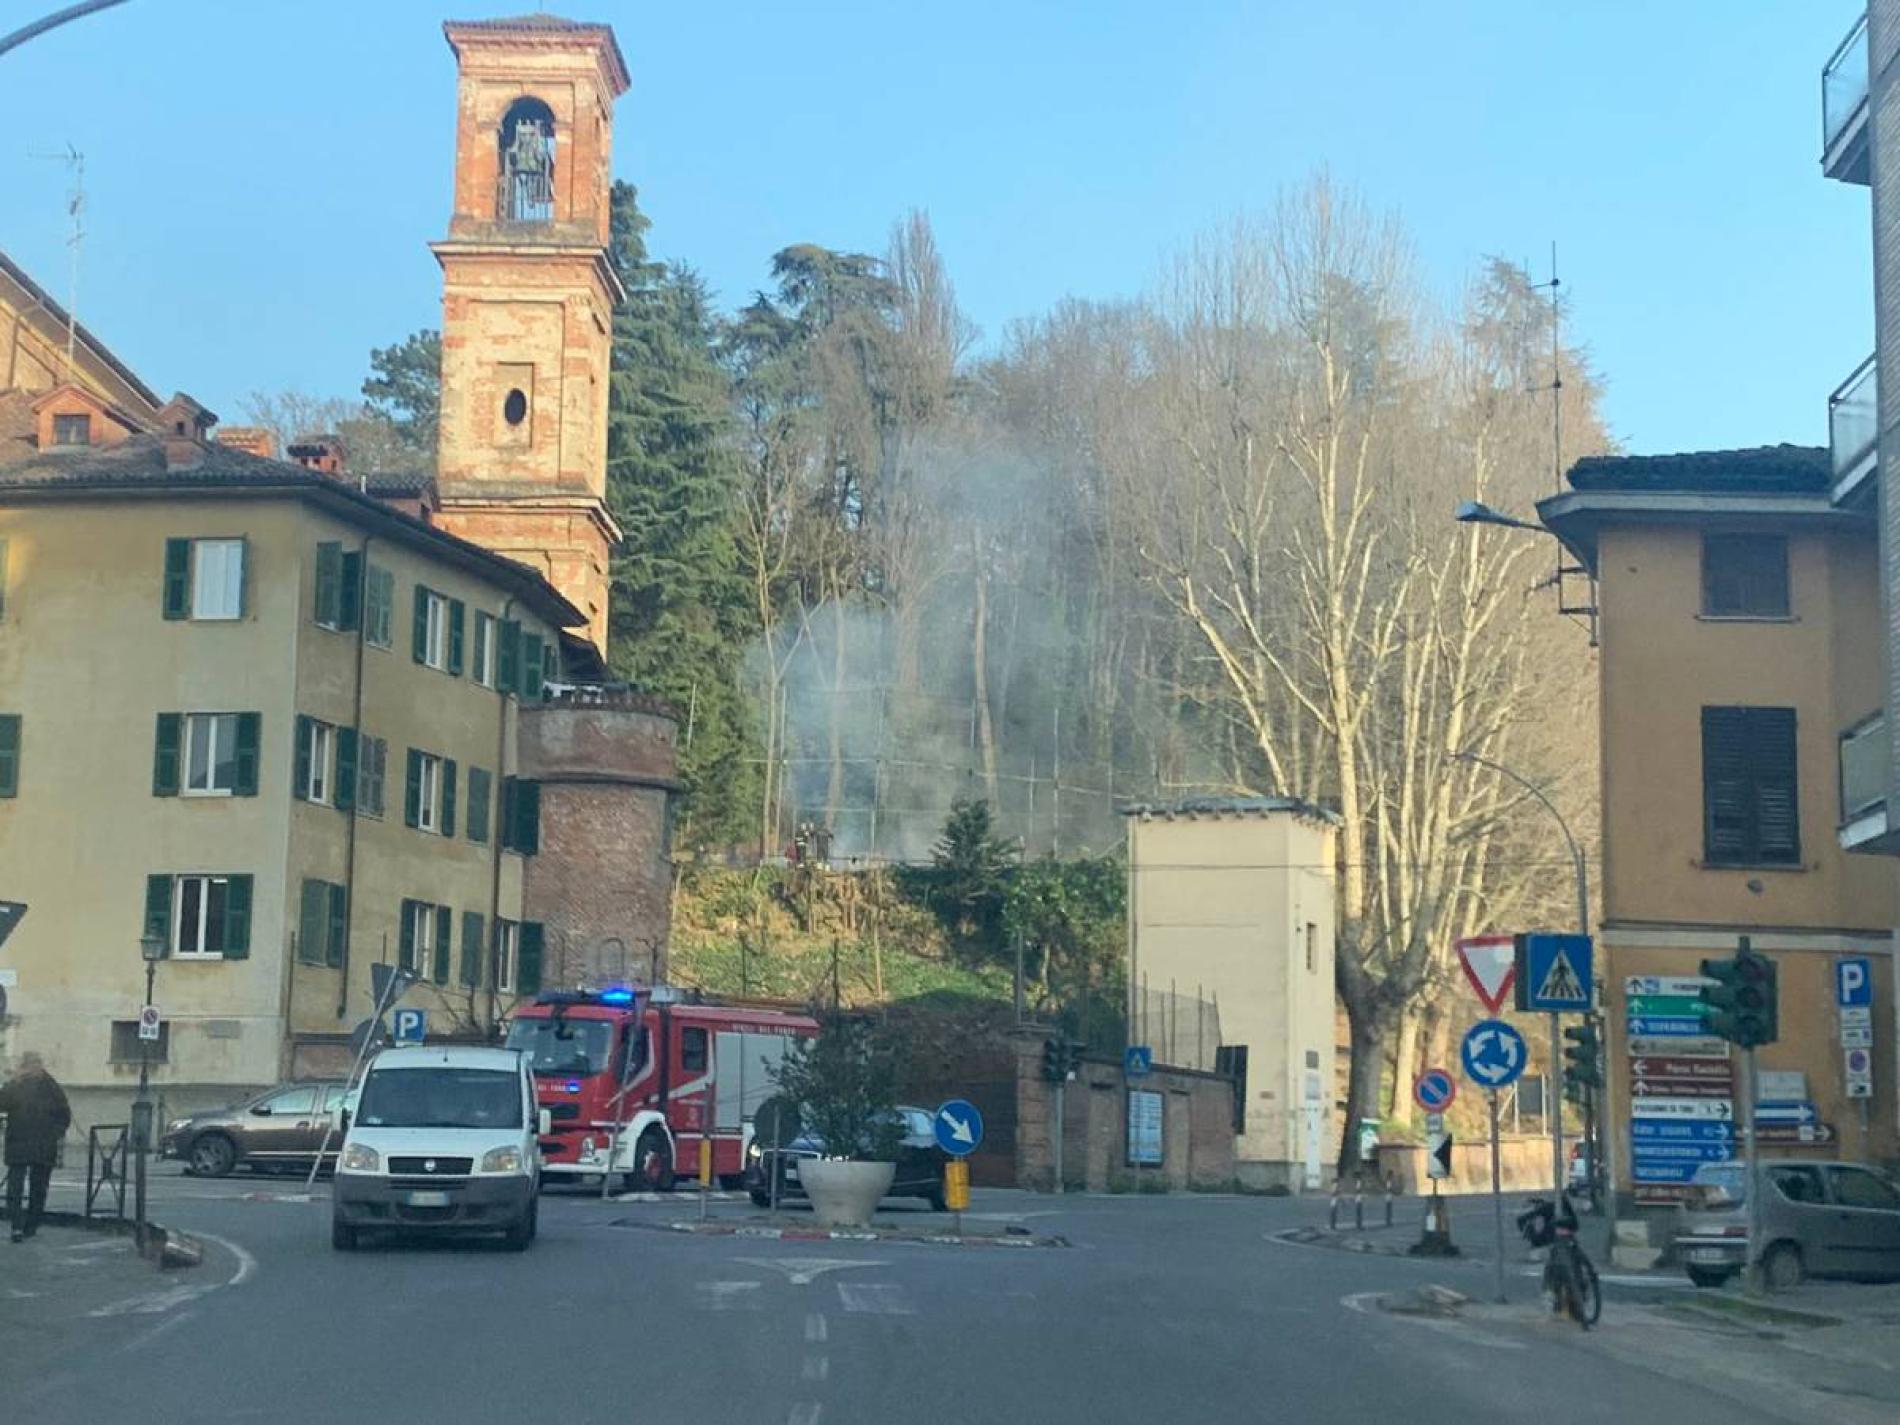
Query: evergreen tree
x=679, y=620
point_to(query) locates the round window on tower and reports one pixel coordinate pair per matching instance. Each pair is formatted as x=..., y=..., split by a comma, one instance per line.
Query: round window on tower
x=515, y=408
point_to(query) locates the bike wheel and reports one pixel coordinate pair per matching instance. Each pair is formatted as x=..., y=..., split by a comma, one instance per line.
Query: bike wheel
x=1586, y=1293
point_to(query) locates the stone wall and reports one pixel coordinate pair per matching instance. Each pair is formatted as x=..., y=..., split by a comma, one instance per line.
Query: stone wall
x=1523, y=1164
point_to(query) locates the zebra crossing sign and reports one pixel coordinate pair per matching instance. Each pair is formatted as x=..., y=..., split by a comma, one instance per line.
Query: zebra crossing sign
x=1554, y=972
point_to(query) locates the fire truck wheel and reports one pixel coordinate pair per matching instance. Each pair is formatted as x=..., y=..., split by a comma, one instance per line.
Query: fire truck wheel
x=653, y=1162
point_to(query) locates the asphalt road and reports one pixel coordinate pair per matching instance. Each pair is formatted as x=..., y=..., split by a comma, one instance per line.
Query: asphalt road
x=1179, y=1308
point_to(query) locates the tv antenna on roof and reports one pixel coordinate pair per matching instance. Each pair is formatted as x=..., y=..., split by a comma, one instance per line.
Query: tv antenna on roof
x=75, y=162
x=1586, y=610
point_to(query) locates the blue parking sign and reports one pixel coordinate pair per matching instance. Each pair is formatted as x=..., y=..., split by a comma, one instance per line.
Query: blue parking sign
x=1853, y=982
x=408, y=1026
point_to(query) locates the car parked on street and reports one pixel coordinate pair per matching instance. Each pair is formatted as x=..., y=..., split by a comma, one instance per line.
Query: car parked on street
x=920, y=1163
x=1818, y=1218
x=283, y=1127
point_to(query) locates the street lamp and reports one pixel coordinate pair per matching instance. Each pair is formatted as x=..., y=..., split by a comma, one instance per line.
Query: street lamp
x=151, y=951
x=1477, y=512
x=1582, y=870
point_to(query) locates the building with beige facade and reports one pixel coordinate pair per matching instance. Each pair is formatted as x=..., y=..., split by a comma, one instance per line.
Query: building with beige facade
x=289, y=721
x=1231, y=918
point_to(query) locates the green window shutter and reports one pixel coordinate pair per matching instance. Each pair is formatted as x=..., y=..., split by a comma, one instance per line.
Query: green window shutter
x=244, y=580
x=528, y=818
x=479, y=791
x=505, y=823
x=339, y=928
x=349, y=606
x=528, y=958
x=419, y=626
x=407, y=958
x=531, y=668
x=249, y=727
x=237, y=918
x=300, y=760
x=508, y=656
x=343, y=794
x=471, y=948
x=165, y=754
x=9, y=754
x=412, y=791
x=448, y=796
x=329, y=582
x=312, y=912
x=177, y=578
x=158, y=909
x=444, y=935
x=457, y=614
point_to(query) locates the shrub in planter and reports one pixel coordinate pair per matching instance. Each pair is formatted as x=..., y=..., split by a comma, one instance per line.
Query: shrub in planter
x=845, y=1084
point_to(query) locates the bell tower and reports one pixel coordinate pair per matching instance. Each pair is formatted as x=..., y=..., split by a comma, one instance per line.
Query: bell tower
x=528, y=297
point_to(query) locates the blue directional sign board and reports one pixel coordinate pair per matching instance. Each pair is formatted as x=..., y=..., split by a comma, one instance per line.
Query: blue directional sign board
x=1555, y=973
x=1787, y=1110
x=959, y=1127
x=1138, y=1061
x=1853, y=982
x=1493, y=1054
x=407, y=1026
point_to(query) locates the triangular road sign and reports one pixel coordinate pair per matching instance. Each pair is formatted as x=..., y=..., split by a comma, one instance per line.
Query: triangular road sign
x=1490, y=963
x=1561, y=982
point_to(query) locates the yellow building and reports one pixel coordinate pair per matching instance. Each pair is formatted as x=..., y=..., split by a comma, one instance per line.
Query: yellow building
x=1740, y=616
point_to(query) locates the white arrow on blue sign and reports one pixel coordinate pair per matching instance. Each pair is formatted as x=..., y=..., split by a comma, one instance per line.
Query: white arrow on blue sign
x=1787, y=1111
x=1493, y=1053
x=959, y=1127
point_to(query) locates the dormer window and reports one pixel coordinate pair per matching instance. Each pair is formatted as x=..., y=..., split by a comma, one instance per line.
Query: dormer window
x=525, y=191
x=72, y=429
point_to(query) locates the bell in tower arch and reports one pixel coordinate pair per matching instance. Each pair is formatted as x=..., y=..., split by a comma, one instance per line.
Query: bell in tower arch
x=527, y=163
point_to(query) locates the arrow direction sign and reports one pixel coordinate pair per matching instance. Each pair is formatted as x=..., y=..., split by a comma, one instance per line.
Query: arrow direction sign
x=959, y=1127
x=1681, y=1088
x=1703, y=1046
x=1787, y=1112
x=10, y=913
x=1493, y=1053
x=1438, y=1156
x=1668, y=1026
x=1689, y=985
x=1818, y=1133
x=1679, y=1006
x=1719, y=1109
x=1709, y=1070
x=1490, y=963
x=1690, y=1130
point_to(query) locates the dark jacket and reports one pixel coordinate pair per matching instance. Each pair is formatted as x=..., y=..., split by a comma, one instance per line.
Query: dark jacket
x=37, y=1118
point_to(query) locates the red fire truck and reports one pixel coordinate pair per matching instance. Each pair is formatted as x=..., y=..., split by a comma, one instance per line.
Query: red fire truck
x=634, y=1079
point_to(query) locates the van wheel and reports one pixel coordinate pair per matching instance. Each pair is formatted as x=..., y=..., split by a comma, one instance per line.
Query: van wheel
x=342, y=1237
x=1782, y=1268
x=522, y=1231
x=653, y=1163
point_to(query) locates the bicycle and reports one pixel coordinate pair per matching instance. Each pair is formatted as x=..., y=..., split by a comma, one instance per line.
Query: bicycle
x=1569, y=1276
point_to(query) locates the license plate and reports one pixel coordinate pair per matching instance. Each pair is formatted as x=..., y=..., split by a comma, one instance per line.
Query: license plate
x=428, y=1199
x=1710, y=1256
x=791, y=1172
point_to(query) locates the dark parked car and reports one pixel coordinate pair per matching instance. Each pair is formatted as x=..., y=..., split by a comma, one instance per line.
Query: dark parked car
x=282, y=1127
x=920, y=1163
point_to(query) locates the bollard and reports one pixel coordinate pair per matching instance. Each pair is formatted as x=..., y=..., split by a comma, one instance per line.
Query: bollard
x=1391, y=1188
x=1332, y=1213
x=1359, y=1202
x=705, y=1173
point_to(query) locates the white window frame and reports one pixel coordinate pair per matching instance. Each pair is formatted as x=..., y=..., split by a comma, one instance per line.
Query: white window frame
x=321, y=749
x=206, y=882
x=507, y=946
x=222, y=601
x=436, y=640
x=428, y=792
x=423, y=939
x=217, y=727
x=484, y=653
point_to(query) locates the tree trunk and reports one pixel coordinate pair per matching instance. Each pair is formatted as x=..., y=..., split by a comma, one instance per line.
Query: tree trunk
x=1405, y=1065
x=1365, y=1082
x=834, y=785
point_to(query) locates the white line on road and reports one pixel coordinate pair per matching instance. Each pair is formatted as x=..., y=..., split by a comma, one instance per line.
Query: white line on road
x=815, y=1326
x=146, y=1337
x=805, y=1412
x=817, y=1368
x=874, y=1299
x=727, y=1296
x=803, y=1271
x=152, y=1302
x=247, y=1264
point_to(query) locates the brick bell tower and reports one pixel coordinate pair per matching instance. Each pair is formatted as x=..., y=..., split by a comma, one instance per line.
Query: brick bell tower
x=528, y=297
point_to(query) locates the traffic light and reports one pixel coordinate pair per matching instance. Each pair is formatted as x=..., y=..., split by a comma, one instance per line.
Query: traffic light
x=1742, y=1006
x=1055, y=1060
x=1583, y=1065
x=1074, y=1057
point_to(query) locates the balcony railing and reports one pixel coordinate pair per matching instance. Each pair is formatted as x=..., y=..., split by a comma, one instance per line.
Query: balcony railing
x=1844, y=108
x=1853, y=418
x=1865, y=757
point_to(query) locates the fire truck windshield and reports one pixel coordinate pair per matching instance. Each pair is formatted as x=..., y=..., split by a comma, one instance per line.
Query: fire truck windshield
x=563, y=1045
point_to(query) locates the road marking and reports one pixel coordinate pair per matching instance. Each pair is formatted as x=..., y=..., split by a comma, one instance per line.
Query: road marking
x=803, y=1271
x=817, y=1368
x=815, y=1327
x=727, y=1296
x=874, y=1299
x=151, y=1334
x=247, y=1264
x=805, y=1412
x=1366, y=1304
x=152, y=1302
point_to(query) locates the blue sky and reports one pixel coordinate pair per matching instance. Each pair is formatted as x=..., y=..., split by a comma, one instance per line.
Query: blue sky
x=263, y=178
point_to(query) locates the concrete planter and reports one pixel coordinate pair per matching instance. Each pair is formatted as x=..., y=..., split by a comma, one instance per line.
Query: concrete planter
x=845, y=1194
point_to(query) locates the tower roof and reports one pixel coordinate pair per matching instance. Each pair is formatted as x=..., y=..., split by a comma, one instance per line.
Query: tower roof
x=542, y=27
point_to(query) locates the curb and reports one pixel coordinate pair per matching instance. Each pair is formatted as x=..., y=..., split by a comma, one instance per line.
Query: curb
x=840, y=1234
x=165, y=1247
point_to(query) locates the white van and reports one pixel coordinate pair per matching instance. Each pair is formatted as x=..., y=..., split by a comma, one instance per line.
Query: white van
x=441, y=1140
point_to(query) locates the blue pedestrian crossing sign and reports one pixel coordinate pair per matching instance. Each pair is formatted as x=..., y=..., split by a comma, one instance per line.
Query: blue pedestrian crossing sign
x=1494, y=1054
x=1138, y=1061
x=959, y=1127
x=1553, y=972
x=408, y=1026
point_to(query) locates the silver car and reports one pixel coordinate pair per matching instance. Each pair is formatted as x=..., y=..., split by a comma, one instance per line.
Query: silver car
x=1817, y=1219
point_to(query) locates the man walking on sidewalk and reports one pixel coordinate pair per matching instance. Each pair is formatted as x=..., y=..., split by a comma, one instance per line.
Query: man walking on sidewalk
x=37, y=1118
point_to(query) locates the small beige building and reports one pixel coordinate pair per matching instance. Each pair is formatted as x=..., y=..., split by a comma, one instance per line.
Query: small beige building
x=1231, y=919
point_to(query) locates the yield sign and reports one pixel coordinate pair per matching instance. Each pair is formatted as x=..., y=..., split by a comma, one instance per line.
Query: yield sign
x=1490, y=963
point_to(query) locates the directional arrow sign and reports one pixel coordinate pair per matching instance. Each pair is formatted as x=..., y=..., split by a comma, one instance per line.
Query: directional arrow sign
x=1490, y=963
x=1699, y=1046
x=10, y=913
x=1690, y=985
x=1786, y=1113
x=1680, y=1130
x=1438, y=1156
x=1794, y=1133
x=1493, y=1053
x=1681, y=1088
x=959, y=1127
x=1667, y=1025
x=1719, y=1109
x=1711, y=1070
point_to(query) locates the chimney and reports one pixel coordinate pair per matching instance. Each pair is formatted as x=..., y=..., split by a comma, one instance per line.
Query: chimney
x=321, y=453
x=182, y=416
x=252, y=440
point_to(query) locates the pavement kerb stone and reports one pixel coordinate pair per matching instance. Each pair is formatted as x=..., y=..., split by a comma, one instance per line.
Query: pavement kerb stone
x=165, y=1247
x=839, y=1234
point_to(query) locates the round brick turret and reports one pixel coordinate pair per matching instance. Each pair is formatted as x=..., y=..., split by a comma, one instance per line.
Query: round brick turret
x=607, y=761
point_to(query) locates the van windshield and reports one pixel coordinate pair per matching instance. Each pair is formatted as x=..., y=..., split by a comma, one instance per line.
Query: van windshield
x=441, y=1098
x=563, y=1045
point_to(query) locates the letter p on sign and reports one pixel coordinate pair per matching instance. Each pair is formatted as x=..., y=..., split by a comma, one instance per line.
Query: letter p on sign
x=1853, y=982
